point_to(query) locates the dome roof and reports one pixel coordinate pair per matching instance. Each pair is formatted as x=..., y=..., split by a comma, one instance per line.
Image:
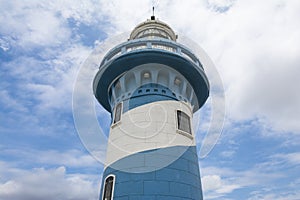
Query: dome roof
x=153, y=28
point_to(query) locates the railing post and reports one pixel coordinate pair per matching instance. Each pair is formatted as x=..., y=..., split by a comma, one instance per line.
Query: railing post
x=179, y=50
x=123, y=50
x=149, y=45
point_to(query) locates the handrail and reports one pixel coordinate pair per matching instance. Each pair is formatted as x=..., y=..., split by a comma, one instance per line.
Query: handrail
x=153, y=44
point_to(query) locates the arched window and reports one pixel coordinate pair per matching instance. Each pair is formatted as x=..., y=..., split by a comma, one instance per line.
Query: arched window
x=109, y=188
x=146, y=77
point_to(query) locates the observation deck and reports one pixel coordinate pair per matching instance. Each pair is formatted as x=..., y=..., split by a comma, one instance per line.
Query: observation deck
x=151, y=42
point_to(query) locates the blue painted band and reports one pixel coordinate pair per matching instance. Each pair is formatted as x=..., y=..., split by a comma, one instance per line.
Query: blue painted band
x=179, y=180
x=148, y=93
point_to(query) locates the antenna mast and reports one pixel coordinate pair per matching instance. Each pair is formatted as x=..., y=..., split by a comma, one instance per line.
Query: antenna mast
x=153, y=16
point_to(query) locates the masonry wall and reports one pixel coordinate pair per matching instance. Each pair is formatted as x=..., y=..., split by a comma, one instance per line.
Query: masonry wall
x=177, y=181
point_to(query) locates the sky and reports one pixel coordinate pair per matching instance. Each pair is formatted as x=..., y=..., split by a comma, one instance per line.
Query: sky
x=254, y=46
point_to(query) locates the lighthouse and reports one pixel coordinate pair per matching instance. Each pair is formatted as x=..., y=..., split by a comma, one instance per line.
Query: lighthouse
x=152, y=85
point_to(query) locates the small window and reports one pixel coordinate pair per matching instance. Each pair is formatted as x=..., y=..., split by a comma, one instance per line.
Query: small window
x=108, y=188
x=146, y=75
x=183, y=122
x=155, y=90
x=140, y=91
x=177, y=81
x=163, y=91
x=118, y=113
x=147, y=90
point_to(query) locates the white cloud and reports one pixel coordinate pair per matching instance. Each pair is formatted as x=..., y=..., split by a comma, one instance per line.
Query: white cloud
x=221, y=182
x=227, y=154
x=31, y=24
x=283, y=194
x=263, y=178
x=46, y=184
x=258, y=62
x=253, y=44
x=220, y=5
x=49, y=82
x=4, y=44
x=37, y=89
x=62, y=76
x=211, y=182
x=71, y=158
x=123, y=15
x=214, y=187
x=10, y=103
x=271, y=196
x=291, y=158
x=86, y=12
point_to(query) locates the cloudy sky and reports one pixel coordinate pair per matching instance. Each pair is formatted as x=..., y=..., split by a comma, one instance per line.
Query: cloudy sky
x=254, y=45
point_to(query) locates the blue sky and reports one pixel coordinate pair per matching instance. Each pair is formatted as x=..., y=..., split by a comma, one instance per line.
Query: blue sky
x=253, y=44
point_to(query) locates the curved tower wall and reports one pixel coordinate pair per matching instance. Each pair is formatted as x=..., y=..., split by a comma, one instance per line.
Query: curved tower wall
x=152, y=87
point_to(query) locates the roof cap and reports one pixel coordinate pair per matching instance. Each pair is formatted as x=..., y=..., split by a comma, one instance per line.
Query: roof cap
x=153, y=28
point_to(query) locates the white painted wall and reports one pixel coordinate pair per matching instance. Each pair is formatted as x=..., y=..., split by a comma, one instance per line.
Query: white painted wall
x=148, y=127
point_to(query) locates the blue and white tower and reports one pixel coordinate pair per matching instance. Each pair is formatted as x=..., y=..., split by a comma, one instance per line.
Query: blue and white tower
x=151, y=85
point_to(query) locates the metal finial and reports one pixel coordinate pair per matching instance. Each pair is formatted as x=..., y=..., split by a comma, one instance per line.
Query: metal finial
x=153, y=16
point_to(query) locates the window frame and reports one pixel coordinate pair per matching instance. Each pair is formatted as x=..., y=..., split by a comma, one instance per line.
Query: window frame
x=112, y=188
x=183, y=132
x=114, y=114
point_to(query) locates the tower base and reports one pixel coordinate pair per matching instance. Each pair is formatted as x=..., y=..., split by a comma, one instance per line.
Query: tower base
x=134, y=178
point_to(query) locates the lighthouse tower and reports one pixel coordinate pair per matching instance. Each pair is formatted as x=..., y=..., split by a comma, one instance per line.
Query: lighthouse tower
x=151, y=85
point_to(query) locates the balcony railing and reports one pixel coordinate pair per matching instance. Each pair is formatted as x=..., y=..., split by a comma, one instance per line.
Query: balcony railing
x=150, y=44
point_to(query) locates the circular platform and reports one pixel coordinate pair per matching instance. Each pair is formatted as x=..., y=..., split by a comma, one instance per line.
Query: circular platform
x=138, y=52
